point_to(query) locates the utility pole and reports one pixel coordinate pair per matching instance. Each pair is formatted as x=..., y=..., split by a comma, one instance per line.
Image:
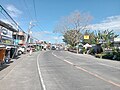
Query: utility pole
x=29, y=32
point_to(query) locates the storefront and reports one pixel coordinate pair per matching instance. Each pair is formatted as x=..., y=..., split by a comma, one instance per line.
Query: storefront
x=6, y=36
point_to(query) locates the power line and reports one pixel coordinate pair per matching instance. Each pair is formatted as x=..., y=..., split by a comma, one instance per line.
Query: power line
x=11, y=18
x=35, y=9
x=29, y=14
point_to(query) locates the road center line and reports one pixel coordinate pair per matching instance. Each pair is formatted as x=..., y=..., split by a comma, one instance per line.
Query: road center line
x=40, y=74
x=93, y=74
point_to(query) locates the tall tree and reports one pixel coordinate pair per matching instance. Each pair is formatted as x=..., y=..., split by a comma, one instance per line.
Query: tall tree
x=75, y=21
x=108, y=37
x=71, y=38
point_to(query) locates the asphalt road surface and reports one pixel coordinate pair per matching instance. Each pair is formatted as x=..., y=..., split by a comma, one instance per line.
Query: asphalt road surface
x=62, y=70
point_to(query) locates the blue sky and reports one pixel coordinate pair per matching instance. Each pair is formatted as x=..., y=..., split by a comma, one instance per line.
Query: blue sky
x=106, y=14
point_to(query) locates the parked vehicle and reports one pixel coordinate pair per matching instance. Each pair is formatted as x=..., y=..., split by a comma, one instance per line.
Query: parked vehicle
x=96, y=49
x=53, y=48
x=21, y=50
x=28, y=48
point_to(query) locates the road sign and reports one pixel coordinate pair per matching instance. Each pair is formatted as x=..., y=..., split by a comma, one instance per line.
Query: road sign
x=86, y=36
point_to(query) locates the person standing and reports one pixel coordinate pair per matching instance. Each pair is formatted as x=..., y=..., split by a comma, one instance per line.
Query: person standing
x=30, y=51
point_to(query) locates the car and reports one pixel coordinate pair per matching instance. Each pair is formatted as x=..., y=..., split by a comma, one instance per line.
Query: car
x=21, y=50
x=28, y=48
x=96, y=49
x=53, y=48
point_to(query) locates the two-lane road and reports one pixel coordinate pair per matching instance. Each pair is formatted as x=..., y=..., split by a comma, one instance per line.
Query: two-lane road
x=62, y=70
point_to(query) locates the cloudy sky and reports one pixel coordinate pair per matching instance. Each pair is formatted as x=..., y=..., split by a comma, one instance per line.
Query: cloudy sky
x=45, y=13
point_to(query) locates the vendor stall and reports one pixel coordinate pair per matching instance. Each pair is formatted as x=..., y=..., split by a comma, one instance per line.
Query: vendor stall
x=2, y=53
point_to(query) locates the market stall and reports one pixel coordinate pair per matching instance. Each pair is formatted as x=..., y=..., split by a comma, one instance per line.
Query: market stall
x=2, y=53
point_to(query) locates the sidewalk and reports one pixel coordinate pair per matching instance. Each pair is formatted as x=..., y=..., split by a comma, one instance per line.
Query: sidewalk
x=22, y=74
x=6, y=68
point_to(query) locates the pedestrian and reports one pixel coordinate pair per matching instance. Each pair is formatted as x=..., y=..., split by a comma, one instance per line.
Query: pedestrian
x=30, y=51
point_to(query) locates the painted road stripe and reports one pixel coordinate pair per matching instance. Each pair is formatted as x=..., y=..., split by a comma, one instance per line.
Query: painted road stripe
x=93, y=74
x=40, y=74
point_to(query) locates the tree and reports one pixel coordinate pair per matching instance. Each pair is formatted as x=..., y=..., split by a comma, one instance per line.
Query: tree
x=71, y=38
x=108, y=37
x=77, y=22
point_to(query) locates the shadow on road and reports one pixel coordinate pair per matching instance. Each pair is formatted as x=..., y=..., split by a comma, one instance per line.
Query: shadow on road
x=3, y=67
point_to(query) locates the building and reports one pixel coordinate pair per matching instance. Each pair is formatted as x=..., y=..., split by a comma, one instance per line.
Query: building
x=6, y=32
x=19, y=38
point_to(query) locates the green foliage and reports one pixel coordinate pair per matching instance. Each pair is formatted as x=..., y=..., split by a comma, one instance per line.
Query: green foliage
x=113, y=55
x=72, y=37
x=107, y=37
x=83, y=51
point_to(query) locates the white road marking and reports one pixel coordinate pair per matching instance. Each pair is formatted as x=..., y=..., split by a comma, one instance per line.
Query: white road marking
x=68, y=62
x=93, y=74
x=40, y=74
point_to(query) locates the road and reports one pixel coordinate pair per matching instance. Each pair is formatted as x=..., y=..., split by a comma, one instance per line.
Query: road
x=62, y=70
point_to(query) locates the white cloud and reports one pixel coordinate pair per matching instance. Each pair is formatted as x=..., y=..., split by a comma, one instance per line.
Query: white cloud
x=111, y=23
x=47, y=36
x=42, y=34
x=13, y=11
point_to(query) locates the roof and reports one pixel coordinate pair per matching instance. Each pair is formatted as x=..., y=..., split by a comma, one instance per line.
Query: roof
x=9, y=27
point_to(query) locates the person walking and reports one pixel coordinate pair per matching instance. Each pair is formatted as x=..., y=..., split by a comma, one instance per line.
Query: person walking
x=30, y=51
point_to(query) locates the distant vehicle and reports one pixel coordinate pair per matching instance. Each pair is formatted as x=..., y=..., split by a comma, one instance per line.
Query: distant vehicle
x=96, y=49
x=53, y=48
x=21, y=50
x=28, y=48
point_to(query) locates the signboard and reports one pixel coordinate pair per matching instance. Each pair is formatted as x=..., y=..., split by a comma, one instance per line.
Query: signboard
x=6, y=41
x=86, y=37
x=5, y=32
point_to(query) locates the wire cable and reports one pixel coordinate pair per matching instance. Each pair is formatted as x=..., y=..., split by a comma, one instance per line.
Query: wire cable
x=34, y=9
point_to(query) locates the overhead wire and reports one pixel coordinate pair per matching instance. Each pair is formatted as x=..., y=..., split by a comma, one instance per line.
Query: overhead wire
x=35, y=14
x=4, y=16
x=28, y=13
x=11, y=18
x=34, y=5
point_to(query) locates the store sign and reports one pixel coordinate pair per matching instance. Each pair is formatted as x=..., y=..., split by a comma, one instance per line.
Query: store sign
x=86, y=36
x=7, y=41
x=6, y=32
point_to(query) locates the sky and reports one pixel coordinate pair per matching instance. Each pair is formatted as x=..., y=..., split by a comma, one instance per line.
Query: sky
x=44, y=15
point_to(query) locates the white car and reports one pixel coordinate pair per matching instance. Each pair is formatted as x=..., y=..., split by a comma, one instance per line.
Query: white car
x=21, y=50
